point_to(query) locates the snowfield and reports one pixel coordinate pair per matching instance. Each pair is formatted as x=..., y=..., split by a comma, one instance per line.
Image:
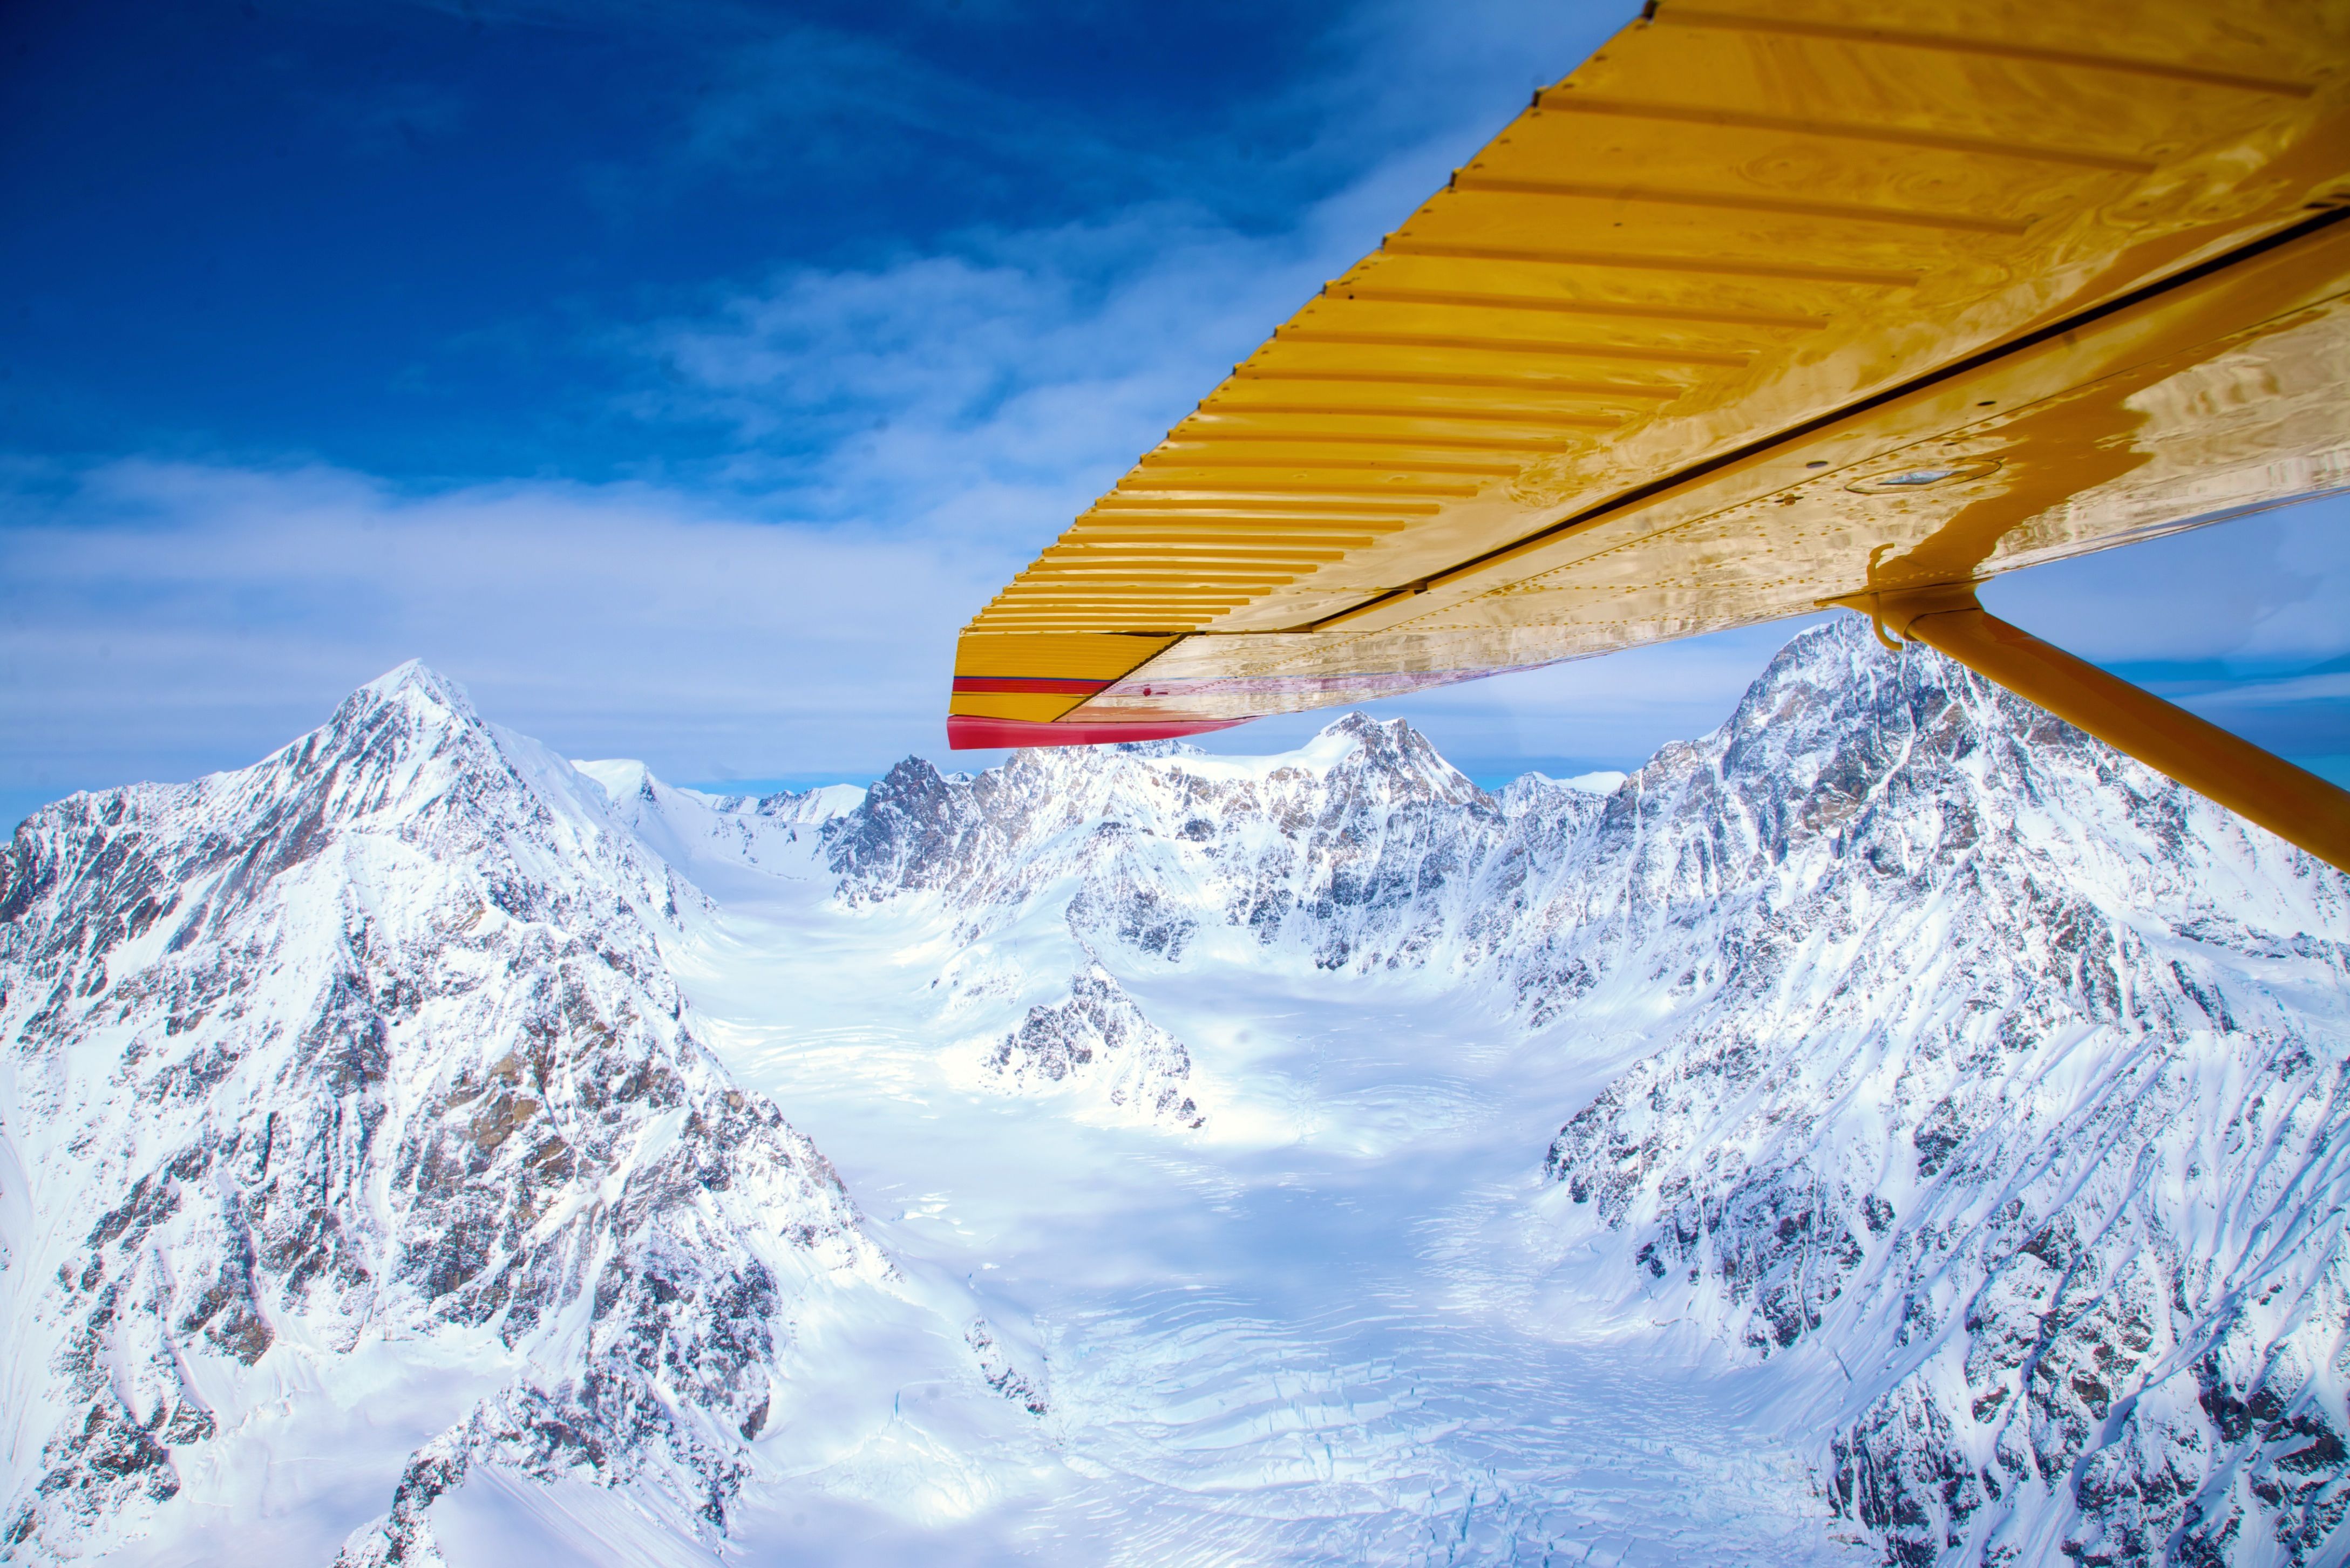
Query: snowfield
x=1892, y=1129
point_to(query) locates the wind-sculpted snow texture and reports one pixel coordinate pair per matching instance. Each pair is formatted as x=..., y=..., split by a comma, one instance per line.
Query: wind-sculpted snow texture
x=374, y=1043
x=1966, y=1052
x=686, y=827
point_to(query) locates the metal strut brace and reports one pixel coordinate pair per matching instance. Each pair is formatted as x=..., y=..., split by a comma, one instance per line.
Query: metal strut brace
x=2290, y=802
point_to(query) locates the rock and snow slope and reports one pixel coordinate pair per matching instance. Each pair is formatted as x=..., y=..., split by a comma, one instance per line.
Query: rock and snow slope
x=1967, y=1050
x=1937, y=1107
x=2009, y=1072
x=357, y=1078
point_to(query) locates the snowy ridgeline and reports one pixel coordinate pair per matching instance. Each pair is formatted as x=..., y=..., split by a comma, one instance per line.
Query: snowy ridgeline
x=1944, y=1049
x=359, y=1070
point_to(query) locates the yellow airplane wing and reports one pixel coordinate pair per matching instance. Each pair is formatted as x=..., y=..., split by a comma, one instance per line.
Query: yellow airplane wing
x=1800, y=302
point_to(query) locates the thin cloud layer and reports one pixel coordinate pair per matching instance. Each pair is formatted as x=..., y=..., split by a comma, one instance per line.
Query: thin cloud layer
x=167, y=619
x=867, y=321
x=171, y=618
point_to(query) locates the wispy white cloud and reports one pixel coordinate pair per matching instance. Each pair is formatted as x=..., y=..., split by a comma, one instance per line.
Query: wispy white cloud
x=988, y=391
x=1008, y=383
x=900, y=434
x=1006, y=373
x=898, y=437
x=812, y=97
x=1354, y=87
x=2259, y=593
x=171, y=618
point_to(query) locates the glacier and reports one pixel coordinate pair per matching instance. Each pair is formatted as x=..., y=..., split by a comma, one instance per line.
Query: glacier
x=1893, y=1128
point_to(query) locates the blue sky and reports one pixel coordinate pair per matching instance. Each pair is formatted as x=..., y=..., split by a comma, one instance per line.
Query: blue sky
x=678, y=377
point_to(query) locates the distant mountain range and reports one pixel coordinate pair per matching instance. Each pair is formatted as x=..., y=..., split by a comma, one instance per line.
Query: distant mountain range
x=379, y=1129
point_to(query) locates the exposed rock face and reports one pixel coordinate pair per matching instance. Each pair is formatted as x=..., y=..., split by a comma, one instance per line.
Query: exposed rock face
x=1960, y=1055
x=1098, y=1035
x=1361, y=851
x=2010, y=1073
x=375, y=1040
x=1965, y=1050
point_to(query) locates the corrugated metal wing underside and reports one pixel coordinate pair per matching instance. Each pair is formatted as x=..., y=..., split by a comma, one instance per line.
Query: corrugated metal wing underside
x=1724, y=237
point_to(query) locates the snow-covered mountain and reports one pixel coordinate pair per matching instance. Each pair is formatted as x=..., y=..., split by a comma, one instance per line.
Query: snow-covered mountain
x=2005, y=1070
x=1938, y=1100
x=349, y=1101
x=2001, y=1068
x=714, y=834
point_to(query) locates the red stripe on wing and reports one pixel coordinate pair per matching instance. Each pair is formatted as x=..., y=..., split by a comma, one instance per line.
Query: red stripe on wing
x=966, y=734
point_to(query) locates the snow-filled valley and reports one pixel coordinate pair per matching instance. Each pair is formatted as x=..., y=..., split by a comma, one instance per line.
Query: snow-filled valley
x=1311, y=1329
x=1892, y=1128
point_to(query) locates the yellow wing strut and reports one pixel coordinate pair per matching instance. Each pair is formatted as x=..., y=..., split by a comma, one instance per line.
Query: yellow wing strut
x=1770, y=304
x=2292, y=803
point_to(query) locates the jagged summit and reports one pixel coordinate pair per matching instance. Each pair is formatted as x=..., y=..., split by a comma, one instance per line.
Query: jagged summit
x=409, y=741
x=1364, y=813
x=1980, y=1091
x=713, y=839
x=623, y=779
x=1946, y=1012
x=415, y=672
x=1352, y=740
x=376, y=1042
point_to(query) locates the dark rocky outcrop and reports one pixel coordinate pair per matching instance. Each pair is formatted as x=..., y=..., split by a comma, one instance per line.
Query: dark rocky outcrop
x=377, y=1037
